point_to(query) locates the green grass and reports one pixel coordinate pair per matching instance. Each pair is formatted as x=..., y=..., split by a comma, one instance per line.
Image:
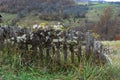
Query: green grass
x=7, y=17
x=100, y=5
x=112, y=43
x=83, y=3
x=10, y=69
x=24, y=75
x=86, y=72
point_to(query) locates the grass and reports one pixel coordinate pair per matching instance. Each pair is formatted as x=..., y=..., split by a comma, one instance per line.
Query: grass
x=7, y=17
x=78, y=73
x=10, y=69
x=116, y=55
x=112, y=43
x=100, y=5
x=115, y=45
x=83, y=3
x=34, y=75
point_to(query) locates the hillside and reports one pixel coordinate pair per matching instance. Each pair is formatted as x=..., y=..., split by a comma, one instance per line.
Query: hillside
x=14, y=6
x=42, y=9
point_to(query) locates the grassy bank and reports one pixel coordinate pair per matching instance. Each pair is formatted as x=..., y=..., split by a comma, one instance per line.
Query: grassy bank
x=11, y=69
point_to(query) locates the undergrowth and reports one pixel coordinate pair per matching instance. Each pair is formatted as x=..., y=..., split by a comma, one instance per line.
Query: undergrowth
x=12, y=69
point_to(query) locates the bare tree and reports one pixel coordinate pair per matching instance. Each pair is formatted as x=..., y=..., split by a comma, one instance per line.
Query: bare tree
x=106, y=23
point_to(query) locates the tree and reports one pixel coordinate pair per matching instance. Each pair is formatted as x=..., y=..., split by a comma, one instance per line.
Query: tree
x=106, y=23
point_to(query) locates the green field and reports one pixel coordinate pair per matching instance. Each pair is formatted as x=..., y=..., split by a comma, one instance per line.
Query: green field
x=7, y=17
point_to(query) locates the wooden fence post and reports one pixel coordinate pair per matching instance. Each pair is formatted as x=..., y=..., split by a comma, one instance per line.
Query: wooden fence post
x=41, y=54
x=71, y=47
x=34, y=52
x=79, y=46
x=47, y=55
x=65, y=47
x=95, y=55
x=72, y=53
x=88, y=42
x=58, y=52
